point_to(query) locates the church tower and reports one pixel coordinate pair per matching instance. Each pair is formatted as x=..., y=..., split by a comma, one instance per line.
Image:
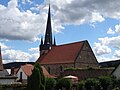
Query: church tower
x=1, y=65
x=47, y=44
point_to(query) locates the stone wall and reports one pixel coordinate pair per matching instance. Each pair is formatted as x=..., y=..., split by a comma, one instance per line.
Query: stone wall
x=86, y=58
x=57, y=69
x=87, y=73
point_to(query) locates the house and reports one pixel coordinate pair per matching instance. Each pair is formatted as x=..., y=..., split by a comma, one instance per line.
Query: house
x=116, y=71
x=5, y=78
x=26, y=70
x=57, y=57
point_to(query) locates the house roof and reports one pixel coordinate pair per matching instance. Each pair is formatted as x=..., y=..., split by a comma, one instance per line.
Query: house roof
x=27, y=68
x=66, y=53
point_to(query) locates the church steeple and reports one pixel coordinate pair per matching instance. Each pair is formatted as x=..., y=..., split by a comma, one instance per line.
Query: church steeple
x=1, y=65
x=54, y=42
x=47, y=44
x=48, y=34
x=41, y=40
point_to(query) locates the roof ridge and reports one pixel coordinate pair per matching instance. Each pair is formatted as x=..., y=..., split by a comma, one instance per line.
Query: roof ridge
x=71, y=43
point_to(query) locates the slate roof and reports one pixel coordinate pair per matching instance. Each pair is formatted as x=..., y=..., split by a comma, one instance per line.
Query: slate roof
x=66, y=53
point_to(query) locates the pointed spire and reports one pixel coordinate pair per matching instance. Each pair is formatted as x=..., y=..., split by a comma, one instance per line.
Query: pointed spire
x=41, y=40
x=54, y=41
x=1, y=65
x=48, y=34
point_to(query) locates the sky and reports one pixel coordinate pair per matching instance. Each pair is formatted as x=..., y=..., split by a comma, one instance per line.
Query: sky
x=23, y=23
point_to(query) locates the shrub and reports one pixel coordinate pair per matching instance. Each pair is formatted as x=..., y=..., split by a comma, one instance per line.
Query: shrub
x=92, y=82
x=64, y=83
x=105, y=82
x=117, y=83
x=50, y=83
x=81, y=85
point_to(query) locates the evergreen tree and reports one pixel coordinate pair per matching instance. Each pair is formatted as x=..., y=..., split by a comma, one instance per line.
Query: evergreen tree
x=42, y=77
x=37, y=80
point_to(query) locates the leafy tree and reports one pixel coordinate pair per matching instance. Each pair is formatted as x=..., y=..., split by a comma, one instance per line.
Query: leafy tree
x=105, y=82
x=37, y=80
x=50, y=83
x=64, y=83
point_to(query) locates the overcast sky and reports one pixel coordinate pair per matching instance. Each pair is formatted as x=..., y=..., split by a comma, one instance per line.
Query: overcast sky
x=22, y=23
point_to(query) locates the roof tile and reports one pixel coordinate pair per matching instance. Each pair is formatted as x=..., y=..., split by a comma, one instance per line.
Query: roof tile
x=62, y=54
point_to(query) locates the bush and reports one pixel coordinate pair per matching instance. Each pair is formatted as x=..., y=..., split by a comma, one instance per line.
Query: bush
x=81, y=85
x=1, y=88
x=92, y=83
x=105, y=82
x=64, y=83
x=117, y=83
x=50, y=83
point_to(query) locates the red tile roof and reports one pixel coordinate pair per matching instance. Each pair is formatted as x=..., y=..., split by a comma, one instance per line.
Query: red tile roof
x=62, y=53
x=27, y=68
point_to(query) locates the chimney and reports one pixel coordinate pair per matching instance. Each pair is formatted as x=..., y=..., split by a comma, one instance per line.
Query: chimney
x=12, y=71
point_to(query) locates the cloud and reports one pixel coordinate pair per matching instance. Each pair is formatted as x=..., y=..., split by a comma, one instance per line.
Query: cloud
x=117, y=28
x=3, y=46
x=97, y=17
x=114, y=31
x=109, y=45
x=12, y=55
x=26, y=1
x=84, y=11
x=104, y=58
x=16, y=24
x=18, y=56
x=100, y=49
x=117, y=53
x=107, y=48
x=112, y=41
x=110, y=31
x=35, y=50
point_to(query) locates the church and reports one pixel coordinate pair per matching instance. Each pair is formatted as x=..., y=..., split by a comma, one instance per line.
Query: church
x=55, y=58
